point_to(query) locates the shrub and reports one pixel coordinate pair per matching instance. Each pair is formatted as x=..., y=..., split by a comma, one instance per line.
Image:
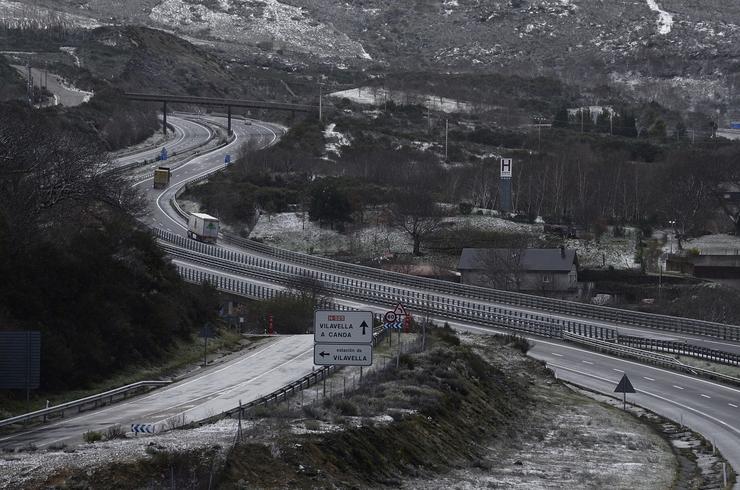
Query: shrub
x=519, y=343
x=115, y=432
x=347, y=408
x=407, y=361
x=92, y=436
x=466, y=208
x=447, y=335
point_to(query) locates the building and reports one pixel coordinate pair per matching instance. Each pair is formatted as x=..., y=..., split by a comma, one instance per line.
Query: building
x=528, y=269
x=705, y=266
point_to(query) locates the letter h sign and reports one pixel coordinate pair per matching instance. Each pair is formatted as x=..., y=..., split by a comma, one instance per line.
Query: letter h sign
x=506, y=168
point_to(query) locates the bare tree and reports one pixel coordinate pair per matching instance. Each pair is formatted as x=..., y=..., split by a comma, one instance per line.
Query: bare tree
x=46, y=173
x=503, y=266
x=415, y=212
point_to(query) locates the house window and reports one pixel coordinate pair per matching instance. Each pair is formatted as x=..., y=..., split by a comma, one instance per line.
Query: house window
x=546, y=278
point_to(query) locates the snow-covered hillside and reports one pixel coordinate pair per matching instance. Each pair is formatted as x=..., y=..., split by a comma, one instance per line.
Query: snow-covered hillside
x=267, y=21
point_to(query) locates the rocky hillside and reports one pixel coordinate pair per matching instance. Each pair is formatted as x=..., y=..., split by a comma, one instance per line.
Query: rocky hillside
x=681, y=53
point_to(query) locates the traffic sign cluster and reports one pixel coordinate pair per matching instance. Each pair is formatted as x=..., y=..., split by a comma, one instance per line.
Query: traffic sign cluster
x=343, y=338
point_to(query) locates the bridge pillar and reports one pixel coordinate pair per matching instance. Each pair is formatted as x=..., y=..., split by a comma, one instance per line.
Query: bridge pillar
x=228, y=112
x=164, y=118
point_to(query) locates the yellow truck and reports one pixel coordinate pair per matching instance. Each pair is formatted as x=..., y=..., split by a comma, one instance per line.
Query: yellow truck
x=162, y=177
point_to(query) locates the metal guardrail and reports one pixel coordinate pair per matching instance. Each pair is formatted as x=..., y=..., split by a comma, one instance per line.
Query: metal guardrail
x=187, y=152
x=288, y=276
x=603, y=339
x=680, y=348
x=624, y=351
x=290, y=389
x=551, y=305
x=652, y=357
x=87, y=403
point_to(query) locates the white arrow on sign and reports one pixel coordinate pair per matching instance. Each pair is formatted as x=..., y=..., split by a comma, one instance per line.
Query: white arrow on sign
x=343, y=354
x=343, y=327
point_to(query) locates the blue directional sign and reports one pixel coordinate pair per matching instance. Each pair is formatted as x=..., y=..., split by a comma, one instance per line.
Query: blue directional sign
x=227, y=158
x=143, y=428
x=20, y=360
x=163, y=154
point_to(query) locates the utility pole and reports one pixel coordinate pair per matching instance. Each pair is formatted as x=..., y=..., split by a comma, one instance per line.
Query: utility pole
x=320, y=101
x=581, y=119
x=539, y=134
x=611, y=123
x=29, y=86
x=447, y=127
x=429, y=117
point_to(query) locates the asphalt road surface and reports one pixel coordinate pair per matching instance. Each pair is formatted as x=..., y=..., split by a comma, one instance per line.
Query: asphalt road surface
x=216, y=389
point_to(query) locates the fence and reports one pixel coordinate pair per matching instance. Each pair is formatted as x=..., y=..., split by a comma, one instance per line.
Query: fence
x=83, y=404
x=680, y=348
x=551, y=305
x=595, y=336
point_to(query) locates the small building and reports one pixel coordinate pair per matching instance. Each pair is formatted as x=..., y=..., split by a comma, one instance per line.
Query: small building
x=527, y=269
x=705, y=266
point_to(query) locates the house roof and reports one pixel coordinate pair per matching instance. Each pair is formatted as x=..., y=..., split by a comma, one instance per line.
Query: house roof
x=531, y=259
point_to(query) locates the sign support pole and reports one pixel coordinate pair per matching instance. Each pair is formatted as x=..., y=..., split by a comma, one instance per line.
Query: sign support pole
x=205, y=350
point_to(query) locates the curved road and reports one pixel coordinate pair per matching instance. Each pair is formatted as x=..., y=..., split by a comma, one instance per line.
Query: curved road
x=188, y=134
x=710, y=408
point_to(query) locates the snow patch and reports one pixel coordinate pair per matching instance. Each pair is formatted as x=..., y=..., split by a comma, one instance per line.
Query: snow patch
x=379, y=96
x=335, y=140
x=271, y=21
x=665, y=20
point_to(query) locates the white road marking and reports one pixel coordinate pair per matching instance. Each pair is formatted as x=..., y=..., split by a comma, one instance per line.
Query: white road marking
x=677, y=387
x=649, y=379
x=587, y=362
x=705, y=396
x=668, y=400
x=118, y=406
x=556, y=354
x=732, y=405
x=617, y=370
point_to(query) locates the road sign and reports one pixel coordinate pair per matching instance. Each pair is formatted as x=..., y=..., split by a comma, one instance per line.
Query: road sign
x=506, y=164
x=227, y=158
x=624, y=386
x=143, y=428
x=20, y=360
x=343, y=327
x=206, y=331
x=163, y=154
x=395, y=318
x=343, y=354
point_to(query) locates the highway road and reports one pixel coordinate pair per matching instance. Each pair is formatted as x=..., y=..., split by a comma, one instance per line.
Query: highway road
x=707, y=407
x=188, y=134
x=214, y=390
x=161, y=214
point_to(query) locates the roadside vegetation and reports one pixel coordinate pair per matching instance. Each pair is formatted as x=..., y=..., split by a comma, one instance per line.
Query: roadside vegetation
x=472, y=410
x=77, y=265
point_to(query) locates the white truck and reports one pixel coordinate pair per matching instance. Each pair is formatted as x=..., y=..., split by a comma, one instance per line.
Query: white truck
x=203, y=227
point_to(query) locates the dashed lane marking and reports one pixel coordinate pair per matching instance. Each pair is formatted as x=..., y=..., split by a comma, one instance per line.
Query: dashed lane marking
x=649, y=379
x=556, y=354
x=678, y=387
x=705, y=396
x=587, y=362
